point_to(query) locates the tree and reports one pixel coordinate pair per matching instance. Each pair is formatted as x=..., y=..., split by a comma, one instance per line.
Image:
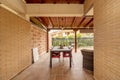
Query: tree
x=78, y=35
x=70, y=36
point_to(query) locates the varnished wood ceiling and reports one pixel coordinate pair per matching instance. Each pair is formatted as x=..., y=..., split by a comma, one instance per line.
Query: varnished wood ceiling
x=56, y=1
x=65, y=22
x=61, y=22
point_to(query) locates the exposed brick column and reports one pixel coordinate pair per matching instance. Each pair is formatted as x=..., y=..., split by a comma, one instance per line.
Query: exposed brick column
x=47, y=40
x=75, y=30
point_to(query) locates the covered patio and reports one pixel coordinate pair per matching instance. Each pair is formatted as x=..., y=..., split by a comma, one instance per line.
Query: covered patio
x=25, y=27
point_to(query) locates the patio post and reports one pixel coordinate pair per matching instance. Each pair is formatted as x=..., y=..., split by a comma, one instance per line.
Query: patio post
x=47, y=40
x=75, y=42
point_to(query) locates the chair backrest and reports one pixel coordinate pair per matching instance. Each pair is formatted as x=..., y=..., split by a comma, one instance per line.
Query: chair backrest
x=55, y=54
x=67, y=54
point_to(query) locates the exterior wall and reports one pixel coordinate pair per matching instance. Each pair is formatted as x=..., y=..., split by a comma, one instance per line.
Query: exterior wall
x=15, y=44
x=107, y=39
x=39, y=39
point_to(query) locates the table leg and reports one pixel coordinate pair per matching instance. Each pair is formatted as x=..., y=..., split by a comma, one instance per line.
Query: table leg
x=50, y=60
x=70, y=59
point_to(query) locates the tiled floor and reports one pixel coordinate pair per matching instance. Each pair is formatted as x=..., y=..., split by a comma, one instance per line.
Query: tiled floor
x=60, y=70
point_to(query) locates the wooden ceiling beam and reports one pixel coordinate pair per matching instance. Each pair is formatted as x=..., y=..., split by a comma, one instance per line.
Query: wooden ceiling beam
x=58, y=22
x=91, y=25
x=89, y=22
x=33, y=1
x=61, y=10
x=55, y=1
x=68, y=28
x=37, y=22
x=88, y=4
x=62, y=22
x=81, y=21
x=41, y=21
x=82, y=1
x=65, y=21
x=50, y=21
x=42, y=1
x=73, y=21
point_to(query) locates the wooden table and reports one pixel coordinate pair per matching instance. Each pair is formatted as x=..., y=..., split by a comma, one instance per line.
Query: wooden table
x=64, y=49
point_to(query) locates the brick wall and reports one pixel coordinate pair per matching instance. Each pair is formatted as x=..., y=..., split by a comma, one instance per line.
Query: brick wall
x=39, y=38
x=15, y=44
x=107, y=39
